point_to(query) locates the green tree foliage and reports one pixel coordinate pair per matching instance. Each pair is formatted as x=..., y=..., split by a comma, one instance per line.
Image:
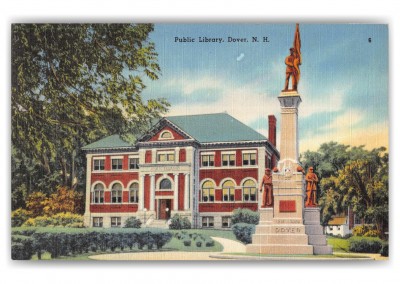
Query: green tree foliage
x=352, y=177
x=71, y=85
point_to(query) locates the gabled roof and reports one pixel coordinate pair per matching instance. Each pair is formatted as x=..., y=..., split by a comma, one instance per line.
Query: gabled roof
x=336, y=221
x=216, y=127
x=113, y=141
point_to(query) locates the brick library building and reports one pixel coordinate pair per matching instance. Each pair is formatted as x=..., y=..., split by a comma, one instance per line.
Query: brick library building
x=199, y=166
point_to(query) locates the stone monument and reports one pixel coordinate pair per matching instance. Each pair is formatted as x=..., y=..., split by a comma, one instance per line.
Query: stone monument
x=287, y=227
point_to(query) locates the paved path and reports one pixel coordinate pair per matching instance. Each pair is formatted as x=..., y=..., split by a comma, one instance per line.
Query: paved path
x=229, y=246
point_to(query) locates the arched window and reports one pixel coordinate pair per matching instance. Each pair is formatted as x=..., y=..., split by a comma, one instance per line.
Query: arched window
x=166, y=135
x=98, y=194
x=228, y=191
x=249, y=190
x=116, y=193
x=208, y=192
x=165, y=184
x=134, y=193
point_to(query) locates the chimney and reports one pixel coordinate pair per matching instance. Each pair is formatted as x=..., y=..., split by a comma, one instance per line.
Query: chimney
x=272, y=129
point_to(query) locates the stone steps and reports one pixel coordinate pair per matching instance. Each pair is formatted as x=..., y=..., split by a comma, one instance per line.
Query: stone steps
x=279, y=249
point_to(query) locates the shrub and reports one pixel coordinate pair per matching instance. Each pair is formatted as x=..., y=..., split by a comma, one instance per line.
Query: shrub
x=19, y=216
x=385, y=250
x=22, y=247
x=365, y=245
x=132, y=222
x=160, y=237
x=363, y=230
x=210, y=243
x=187, y=242
x=243, y=232
x=245, y=216
x=178, y=222
x=199, y=243
x=59, y=220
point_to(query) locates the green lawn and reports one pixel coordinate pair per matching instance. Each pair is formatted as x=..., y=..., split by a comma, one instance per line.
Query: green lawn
x=338, y=244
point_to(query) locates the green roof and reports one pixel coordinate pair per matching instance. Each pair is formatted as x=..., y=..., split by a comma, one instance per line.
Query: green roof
x=113, y=141
x=216, y=127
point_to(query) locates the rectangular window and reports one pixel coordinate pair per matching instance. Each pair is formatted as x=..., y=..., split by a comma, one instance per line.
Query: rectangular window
x=208, y=194
x=116, y=164
x=116, y=196
x=168, y=157
x=98, y=196
x=208, y=222
x=98, y=164
x=98, y=222
x=249, y=159
x=133, y=163
x=249, y=194
x=228, y=160
x=228, y=194
x=207, y=160
x=226, y=222
x=115, y=221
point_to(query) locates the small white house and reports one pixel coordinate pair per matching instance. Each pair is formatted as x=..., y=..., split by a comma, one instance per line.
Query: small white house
x=338, y=226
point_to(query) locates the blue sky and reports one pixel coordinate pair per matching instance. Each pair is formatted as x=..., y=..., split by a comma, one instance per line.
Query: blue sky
x=344, y=77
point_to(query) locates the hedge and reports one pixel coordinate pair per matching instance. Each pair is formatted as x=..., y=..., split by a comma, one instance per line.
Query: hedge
x=245, y=216
x=57, y=220
x=132, y=222
x=365, y=245
x=65, y=242
x=243, y=232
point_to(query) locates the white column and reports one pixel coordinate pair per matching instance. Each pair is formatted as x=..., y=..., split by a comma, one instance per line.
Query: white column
x=176, y=191
x=141, y=192
x=89, y=164
x=152, y=191
x=186, y=195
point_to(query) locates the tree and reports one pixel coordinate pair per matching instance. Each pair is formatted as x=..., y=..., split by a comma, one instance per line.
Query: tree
x=71, y=85
x=352, y=177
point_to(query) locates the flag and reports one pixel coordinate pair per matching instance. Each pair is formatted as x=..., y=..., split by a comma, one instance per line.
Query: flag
x=297, y=46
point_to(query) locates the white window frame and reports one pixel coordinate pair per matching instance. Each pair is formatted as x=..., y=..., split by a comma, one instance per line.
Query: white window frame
x=250, y=153
x=209, y=220
x=97, y=222
x=207, y=189
x=117, y=159
x=118, y=193
x=99, y=166
x=208, y=155
x=167, y=154
x=230, y=190
x=229, y=154
x=129, y=162
x=100, y=192
x=250, y=188
x=115, y=222
x=229, y=218
x=136, y=193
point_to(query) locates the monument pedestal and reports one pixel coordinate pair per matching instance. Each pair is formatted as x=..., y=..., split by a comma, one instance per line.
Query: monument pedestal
x=315, y=231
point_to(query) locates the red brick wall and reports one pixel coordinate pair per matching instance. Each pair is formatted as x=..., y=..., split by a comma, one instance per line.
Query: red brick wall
x=237, y=174
x=108, y=178
x=105, y=208
x=147, y=191
x=181, y=191
x=182, y=155
x=147, y=158
x=225, y=207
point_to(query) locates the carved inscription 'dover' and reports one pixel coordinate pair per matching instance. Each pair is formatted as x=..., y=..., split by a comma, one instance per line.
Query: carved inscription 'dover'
x=288, y=230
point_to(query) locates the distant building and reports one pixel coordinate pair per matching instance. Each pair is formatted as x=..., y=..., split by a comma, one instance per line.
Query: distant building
x=199, y=166
x=343, y=224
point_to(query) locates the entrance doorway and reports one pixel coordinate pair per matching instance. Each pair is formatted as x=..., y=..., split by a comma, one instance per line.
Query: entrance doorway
x=164, y=209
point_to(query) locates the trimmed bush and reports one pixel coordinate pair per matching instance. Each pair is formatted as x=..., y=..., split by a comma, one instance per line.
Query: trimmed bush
x=132, y=222
x=187, y=242
x=245, y=216
x=365, y=245
x=385, y=250
x=199, y=243
x=366, y=231
x=178, y=222
x=243, y=232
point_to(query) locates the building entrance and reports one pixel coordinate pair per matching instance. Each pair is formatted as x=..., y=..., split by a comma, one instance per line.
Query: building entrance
x=164, y=209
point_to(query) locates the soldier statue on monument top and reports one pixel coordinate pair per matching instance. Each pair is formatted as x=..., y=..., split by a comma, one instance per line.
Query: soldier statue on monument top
x=293, y=62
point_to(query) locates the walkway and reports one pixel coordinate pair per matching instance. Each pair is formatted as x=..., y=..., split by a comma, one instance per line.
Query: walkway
x=229, y=246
